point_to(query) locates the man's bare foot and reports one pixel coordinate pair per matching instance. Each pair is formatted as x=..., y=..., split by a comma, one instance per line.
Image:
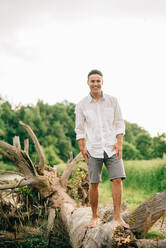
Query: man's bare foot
x=94, y=223
x=121, y=222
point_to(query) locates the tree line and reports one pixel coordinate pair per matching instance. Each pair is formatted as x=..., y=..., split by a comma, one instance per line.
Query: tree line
x=54, y=126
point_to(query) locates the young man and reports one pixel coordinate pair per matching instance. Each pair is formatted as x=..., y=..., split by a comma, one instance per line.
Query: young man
x=99, y=131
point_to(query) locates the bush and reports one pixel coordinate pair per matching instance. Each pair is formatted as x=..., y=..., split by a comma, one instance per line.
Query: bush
x=144, y=145
x=51, y=156
x=130, y=152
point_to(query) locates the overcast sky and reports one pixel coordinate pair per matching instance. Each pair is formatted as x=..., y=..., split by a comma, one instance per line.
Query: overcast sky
x=48, y=47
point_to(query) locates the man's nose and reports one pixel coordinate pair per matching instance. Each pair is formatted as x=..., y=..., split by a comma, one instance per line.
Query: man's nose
x=95, y=82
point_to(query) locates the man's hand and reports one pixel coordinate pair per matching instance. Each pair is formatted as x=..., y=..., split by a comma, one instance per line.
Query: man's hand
x=118, y=148
x=83, y=149
x=85, y=155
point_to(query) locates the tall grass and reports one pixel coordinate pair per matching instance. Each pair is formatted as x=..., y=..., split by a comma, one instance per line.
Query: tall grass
x=144, y=178
x=148, y=176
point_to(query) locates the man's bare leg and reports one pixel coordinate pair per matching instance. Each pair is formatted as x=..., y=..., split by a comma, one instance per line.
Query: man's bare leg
x=94, y=196
x=117, y=199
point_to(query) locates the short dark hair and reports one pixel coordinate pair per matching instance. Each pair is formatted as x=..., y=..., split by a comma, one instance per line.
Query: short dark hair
x=95, y=72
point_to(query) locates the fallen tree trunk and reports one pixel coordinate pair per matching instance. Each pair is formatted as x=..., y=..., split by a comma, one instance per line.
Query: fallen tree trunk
x=144, y=217
x=75, y=219
x=150, y=243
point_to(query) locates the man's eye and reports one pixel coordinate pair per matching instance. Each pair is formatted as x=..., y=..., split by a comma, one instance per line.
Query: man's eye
x=93, y=81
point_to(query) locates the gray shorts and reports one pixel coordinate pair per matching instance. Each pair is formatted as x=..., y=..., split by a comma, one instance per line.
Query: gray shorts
x=113, y=164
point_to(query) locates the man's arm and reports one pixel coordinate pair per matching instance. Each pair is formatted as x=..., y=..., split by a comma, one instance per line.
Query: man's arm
x=80, y=132
x=119, y=130
x=83, y=149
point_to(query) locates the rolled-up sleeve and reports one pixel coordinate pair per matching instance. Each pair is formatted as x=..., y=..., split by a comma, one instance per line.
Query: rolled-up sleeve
x=118, y=120
x=79, y=123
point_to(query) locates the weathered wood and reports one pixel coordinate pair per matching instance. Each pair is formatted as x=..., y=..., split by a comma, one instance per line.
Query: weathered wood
x=18, y=158
x=69, y=169
x=21, y=183
x=26, y=146
x=8, y=147
x=146, y=243
x=16, y=142
x=51, y=219
x=37, y=145
x=144, y=217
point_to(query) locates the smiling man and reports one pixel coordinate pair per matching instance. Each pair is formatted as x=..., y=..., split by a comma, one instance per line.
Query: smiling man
x=99, y=131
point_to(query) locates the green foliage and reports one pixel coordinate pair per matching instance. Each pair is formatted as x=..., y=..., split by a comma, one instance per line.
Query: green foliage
x=78, y=176
x=132, y=131
x=140, y=145
x=144, y=145
x=54, y=127
x=51, y=156
x=105, y=175
x=155, y=235
x=130, y=152
x=27, y=191
x=34, y=242
x=37, y=241
x=159, y=146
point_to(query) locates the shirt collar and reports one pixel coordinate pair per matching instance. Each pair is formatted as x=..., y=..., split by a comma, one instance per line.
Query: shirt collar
x=90, y=98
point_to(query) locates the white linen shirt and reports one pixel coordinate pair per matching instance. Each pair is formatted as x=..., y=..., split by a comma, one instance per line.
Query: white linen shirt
x=98, y=122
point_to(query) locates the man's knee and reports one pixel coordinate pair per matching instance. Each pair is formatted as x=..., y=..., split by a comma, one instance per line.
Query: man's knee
x=117, y=181
x=94, y=185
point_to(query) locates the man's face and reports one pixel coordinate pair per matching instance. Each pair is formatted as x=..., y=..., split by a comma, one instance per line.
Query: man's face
x=95, y=83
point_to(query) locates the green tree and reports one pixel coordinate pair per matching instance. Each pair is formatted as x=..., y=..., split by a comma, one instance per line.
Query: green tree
x=130, y=152
x=132, y=131
x=144, y=145
x=159, y=146
x=51, y=156
x=54, y=126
